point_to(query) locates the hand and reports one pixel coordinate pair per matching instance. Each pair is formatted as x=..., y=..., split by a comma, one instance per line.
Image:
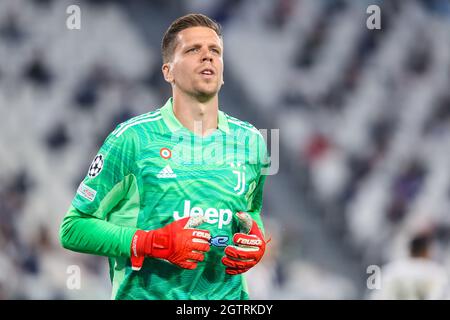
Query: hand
x=178, y=242
x=249, y=247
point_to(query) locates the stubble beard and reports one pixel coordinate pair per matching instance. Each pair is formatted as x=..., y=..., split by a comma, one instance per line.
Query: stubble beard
x=204, y=95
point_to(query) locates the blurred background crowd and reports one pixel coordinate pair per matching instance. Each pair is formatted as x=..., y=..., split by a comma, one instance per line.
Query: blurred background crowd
x=363, y=118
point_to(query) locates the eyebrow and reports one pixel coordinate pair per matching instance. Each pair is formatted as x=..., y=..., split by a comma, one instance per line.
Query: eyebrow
x=198, y=45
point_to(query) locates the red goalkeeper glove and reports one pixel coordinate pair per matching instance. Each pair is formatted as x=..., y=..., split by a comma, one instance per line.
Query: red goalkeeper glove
x=178, y=242
x=248, y=249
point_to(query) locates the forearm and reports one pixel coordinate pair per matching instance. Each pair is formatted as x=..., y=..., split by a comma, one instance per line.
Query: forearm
x=87, y=234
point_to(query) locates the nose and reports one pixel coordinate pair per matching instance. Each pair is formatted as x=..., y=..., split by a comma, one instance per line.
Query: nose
x=207, y=56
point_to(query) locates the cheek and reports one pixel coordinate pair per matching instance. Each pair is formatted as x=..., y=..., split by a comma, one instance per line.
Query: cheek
x=182, y=70
x=179, y=74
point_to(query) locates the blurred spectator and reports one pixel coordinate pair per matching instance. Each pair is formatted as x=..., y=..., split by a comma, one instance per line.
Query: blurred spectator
x=416, y=277
x=307, y=54
x=405, y=188
x=317, y=147
x=10, y=29
x=37, y=72
x=438, y=119
x=57, y=137
x=87, y=93
x=419, y=59
x=282, y=10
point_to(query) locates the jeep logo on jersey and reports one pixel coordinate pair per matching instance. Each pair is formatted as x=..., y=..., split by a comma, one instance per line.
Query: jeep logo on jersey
x=96, y=166
x=240, y=172
x=220, y=216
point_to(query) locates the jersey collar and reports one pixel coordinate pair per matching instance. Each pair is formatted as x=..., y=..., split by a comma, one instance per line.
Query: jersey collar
x=174, y=124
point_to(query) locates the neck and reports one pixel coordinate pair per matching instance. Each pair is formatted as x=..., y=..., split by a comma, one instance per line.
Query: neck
x=423, y=255
x=200, y=117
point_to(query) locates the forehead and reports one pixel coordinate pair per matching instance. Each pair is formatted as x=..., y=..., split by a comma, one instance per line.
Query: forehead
x=198, y=35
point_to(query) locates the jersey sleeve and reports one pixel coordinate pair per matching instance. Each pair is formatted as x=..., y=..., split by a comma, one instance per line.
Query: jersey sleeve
x=106, y=183
x=256, y=199
x=88, y=234
x=100, y=219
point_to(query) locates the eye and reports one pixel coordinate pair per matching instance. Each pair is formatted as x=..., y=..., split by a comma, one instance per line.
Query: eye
x=216, y=51
x=192, y=50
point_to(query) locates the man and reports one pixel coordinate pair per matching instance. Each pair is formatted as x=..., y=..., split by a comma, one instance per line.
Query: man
x=174, y=196
x=416, y=277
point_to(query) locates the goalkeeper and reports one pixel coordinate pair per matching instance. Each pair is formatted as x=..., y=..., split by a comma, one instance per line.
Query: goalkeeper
x=173, y=197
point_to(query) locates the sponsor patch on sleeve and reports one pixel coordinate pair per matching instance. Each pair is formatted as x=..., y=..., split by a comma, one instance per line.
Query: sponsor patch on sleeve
x=86, y=192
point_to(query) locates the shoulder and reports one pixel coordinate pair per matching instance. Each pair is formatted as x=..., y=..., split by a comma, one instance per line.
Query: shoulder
x=243, y=127
x=137, y=124
x=252, y=138
x=434, y=268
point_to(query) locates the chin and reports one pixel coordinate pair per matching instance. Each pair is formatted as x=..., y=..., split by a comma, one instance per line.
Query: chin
x=207, y=94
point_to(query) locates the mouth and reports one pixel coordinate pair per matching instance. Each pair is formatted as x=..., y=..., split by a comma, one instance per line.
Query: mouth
x=207, y=72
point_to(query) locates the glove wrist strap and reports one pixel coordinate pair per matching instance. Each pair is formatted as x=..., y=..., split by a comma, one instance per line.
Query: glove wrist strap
x=158, y=244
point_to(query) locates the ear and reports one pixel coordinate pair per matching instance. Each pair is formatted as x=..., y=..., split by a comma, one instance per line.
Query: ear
x=167, y=72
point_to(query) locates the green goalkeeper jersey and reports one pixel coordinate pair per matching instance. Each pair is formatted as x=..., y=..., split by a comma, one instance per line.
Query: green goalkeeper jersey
x=151, y=171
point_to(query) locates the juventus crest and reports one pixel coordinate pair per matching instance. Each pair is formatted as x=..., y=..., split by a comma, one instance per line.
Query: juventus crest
x=239, y=170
